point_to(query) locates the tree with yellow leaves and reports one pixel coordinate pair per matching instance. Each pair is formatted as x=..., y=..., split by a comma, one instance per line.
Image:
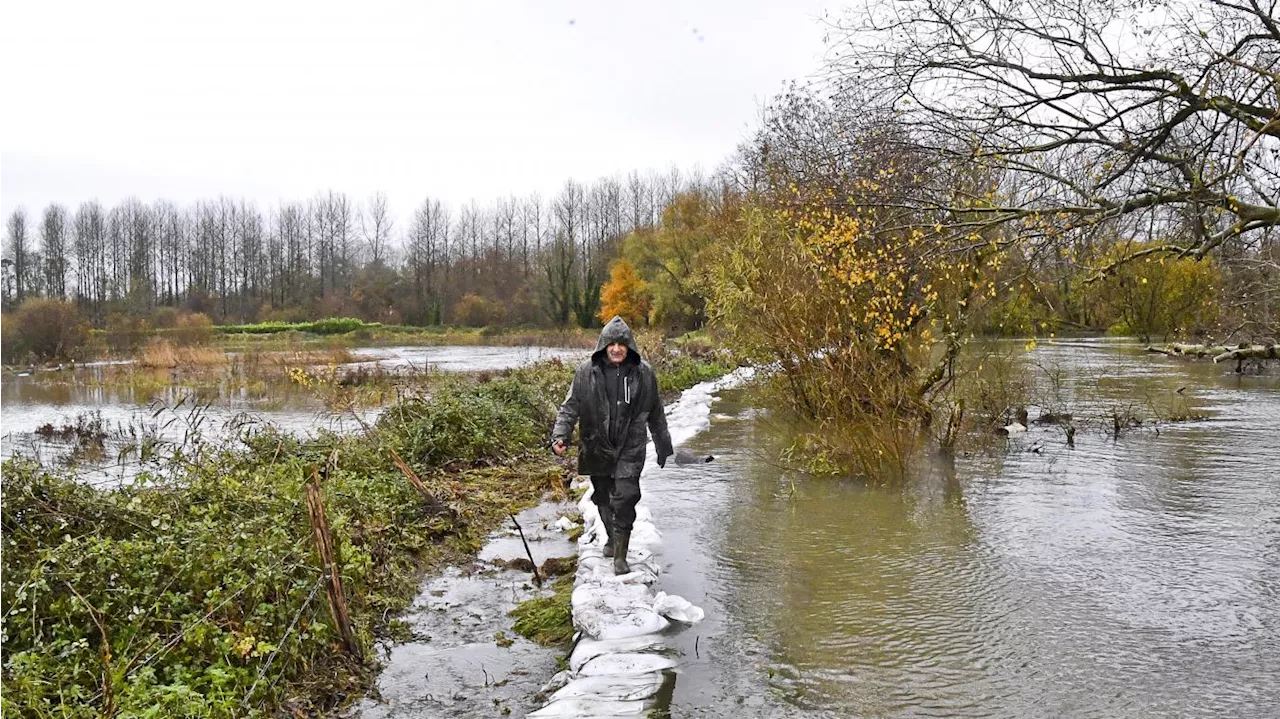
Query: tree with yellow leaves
x=625, y=295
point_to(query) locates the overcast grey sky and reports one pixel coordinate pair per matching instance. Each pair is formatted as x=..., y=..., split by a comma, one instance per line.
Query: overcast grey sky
x=455, y=100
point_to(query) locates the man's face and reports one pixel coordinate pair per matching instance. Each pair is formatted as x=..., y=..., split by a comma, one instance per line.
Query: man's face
x=616, y=352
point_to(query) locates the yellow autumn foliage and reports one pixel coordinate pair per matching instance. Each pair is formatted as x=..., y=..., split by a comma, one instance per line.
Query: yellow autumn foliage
x=624, y=295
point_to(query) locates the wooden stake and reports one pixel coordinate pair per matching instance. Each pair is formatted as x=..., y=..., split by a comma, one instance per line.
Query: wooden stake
x=332, y=572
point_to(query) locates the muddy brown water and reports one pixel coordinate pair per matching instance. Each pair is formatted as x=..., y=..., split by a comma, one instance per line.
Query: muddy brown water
x=1133, y=577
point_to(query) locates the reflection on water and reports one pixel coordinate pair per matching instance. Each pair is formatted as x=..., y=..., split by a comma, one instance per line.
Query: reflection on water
x=462, y=359
x=1129, y=577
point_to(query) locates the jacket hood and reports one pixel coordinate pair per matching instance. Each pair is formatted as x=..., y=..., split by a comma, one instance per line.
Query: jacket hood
x=616, y=331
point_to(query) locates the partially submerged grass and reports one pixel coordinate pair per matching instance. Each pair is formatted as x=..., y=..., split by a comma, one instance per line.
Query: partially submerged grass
x=161, y=353
x=547, y=620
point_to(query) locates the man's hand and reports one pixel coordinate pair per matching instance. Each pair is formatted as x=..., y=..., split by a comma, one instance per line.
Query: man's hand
x=662, y=461
x=558, y=447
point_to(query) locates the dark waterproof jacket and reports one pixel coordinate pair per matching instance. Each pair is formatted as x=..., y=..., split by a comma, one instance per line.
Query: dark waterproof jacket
x=637, y=416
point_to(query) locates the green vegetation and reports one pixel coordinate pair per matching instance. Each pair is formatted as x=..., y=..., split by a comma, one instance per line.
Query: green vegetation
x=547, y=620
x=330, y=326
x=197, y=593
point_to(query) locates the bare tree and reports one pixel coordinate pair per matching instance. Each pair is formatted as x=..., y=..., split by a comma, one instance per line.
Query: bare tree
x=427, y=258
x=1092, y=111
x=534, y=220
x=638, y=200
x=376, y=225
x=19, y=251
x=53, y=245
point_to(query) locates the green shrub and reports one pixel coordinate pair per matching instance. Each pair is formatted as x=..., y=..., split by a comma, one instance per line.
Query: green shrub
x=465, y=422
x=338, y=325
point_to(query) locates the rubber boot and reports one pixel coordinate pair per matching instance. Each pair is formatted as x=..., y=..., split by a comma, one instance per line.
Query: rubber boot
x=606, y=516
x=621, y=540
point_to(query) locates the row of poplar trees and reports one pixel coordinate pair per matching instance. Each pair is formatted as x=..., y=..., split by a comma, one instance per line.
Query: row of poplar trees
x=518, y=260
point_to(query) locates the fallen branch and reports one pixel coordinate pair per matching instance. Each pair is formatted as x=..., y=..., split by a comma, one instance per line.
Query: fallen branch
x=1220, y=352
x=412, y=476
x=1251, y=352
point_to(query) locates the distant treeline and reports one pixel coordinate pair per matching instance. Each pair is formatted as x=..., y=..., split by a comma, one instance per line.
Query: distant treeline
x=519, y=260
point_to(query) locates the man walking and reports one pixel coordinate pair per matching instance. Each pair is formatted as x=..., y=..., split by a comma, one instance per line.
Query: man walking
x=614, y=398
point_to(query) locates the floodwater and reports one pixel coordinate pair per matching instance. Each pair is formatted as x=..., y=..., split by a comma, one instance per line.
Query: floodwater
x=1134, y=576
x=164, y=407
x=463, y=659
x=461, y=359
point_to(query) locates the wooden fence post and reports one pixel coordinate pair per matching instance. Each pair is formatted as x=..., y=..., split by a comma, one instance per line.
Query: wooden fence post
x=332, y=572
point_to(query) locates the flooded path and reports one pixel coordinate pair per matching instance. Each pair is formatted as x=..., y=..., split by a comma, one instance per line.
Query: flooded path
x=464, y=660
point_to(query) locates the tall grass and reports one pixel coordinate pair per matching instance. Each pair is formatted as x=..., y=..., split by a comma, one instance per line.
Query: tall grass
x=161, y=353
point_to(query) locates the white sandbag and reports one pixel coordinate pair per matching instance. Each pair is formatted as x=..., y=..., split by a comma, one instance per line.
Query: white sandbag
x=587, y=649
x=615, y=610
x=613, y=596
x=599, y=570
x=564, y=524
x=556, y=682
x=611, y=688
x=677, y=608
x=619, y=624
x=644, y=534
x=595, y=708
x=626, y=664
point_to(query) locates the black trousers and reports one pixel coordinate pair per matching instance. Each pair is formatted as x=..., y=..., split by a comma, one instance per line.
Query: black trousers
x=620, y=495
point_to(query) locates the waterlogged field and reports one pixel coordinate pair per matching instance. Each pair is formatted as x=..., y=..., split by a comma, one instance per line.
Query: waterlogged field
x=104, y=415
